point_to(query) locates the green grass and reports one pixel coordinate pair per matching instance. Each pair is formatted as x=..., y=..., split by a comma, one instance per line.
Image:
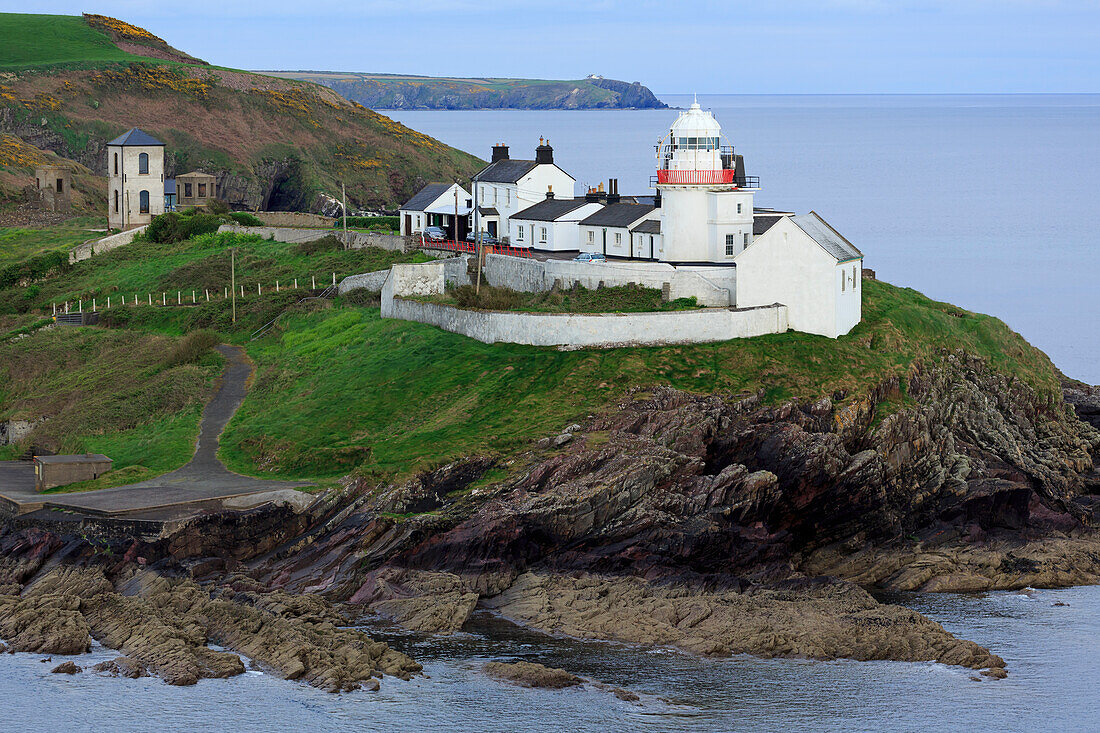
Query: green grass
x=36, y=41
x=343, y=389
x=19, y=243
x=145, y=268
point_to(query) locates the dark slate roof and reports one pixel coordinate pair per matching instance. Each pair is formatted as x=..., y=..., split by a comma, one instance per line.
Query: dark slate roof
x=488, y=211
x=169, y=185
x=425, y=196
x=649, y=226
x=618, y=215
x=549, y=209
x=505, y=171
x=830, y=239
x=135, y=136
x=78, y=458
x=763, y=222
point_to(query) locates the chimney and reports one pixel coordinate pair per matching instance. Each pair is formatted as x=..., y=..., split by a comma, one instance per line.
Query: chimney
x=613, y=190
x=549, y=192
x=593, y=196
x=544, y=154
x=500, y=152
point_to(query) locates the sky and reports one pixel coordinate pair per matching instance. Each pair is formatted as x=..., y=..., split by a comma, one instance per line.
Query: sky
x=706, y=46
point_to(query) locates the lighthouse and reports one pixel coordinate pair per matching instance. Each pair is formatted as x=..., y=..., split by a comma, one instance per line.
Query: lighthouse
x=706, y=198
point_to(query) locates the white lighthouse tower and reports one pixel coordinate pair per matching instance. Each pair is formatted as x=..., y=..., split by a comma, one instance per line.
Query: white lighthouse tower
x=706, y=198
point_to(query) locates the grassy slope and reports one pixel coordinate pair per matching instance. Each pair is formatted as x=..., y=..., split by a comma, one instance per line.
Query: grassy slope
x=35, y=41
x=111, y=392
x=343, y=388
x=202, y=263
x=18, y=243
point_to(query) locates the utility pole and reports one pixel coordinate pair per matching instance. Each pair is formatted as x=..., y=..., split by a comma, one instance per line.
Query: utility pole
x=233, y=279
x=455, y=227
x=344, y=196
x=477, y=238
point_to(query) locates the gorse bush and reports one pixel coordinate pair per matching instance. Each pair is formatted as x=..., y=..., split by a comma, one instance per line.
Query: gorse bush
x=175, y=227
x=245, y=219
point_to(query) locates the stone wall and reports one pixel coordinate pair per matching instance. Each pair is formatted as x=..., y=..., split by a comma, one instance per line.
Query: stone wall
x=355, y=240
x=569, y=329
x=106, y=244
x=293, y=219
x=455, y=272
x=711, y=287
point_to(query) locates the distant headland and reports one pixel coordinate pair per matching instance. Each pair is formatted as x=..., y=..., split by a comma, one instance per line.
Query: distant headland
x=396, y=91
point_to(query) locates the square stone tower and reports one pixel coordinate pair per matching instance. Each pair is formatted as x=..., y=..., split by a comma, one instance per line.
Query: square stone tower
x=135, y=179
x=54, y=186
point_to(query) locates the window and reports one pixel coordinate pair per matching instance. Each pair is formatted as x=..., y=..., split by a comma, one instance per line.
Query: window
x=143, y=163
x=202, y=190
x=731, y=243
x=738, y=208
x=591, y=236
x=519, y=233
x=187, y=190
x=542, y=235
x=60, y=185
x=843, y=281
x=746, y=237
x=854, y=278
x=116, y=202
x=618, y=238
x=143, y=202
x=116, y=164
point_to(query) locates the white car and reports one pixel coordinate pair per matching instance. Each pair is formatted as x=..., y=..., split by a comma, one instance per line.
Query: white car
x=590, y=257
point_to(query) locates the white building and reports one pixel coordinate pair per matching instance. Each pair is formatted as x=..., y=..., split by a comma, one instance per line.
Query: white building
x=805, y=264
x=135, y=179
x=610, y=230
x=437, y=205
x=550, y=225
x=507, y=186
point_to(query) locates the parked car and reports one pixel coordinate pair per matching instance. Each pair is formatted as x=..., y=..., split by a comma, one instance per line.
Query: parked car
x=486, y=238
x=434, y=234
x=590, y=257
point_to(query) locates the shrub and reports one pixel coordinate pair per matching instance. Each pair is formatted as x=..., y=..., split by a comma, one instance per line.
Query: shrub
x=33, y=268
x=490, y=298
x=174, y=227
x=245, y=219
x=375, y=223
x=191, y=348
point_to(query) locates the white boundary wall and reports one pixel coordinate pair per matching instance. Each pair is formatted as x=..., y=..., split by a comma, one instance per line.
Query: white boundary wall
x=711, y=287
x=86, y=250
x=297, y=235
x=455, y=272
x=570, y=329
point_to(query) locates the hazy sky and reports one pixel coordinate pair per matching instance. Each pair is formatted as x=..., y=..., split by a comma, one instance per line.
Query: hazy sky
x=766, y=46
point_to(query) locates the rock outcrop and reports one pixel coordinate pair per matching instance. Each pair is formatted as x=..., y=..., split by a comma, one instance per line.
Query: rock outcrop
x=532, y=674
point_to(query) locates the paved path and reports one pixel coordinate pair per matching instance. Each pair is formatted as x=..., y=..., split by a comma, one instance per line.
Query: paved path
x=204, y=481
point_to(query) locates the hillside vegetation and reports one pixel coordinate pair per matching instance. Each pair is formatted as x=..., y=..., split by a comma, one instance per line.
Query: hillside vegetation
x=394, y=91
x=273, y=143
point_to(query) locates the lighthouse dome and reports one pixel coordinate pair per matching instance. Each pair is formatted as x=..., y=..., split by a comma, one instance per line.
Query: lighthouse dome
x=695, y=122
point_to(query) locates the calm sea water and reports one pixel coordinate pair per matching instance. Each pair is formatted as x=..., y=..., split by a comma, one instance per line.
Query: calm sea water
x=1051, y=653
x=989, y=202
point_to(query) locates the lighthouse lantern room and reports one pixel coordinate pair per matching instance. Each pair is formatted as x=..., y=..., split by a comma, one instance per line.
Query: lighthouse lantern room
x=706, y=198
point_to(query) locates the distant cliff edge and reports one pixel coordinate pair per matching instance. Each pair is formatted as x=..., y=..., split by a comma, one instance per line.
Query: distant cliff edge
x=388, y=91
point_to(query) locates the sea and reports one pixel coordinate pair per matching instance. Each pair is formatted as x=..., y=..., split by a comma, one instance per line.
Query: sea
x=988, y=202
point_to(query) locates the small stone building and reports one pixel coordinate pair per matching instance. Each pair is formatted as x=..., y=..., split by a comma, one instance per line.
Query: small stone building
x=195, y=189
x=53, y=183
x=51, y=471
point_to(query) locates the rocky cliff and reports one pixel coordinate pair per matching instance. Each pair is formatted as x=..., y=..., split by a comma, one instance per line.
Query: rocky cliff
x=385, y=91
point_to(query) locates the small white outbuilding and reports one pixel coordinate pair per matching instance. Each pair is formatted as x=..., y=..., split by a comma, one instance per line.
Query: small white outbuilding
x=808, y=266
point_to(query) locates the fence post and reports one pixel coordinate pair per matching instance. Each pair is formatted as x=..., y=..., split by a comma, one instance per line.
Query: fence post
x=242, y=290
x=192, y=297
x=179, y=298
x=334, y=277
x=163, y=298
x=295, y=283
x=54, y=306
x=225, y=292
x=276, y=286
x=79, y=306
x=150, y=298
x=66, y=306
x=314, y=281
x=259, y=290
x=108, y=302
x=207, y=292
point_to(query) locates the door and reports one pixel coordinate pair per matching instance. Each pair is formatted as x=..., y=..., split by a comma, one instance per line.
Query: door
x=408, y=224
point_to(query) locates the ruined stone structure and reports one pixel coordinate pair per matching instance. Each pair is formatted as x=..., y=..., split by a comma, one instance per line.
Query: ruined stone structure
x=53, y=186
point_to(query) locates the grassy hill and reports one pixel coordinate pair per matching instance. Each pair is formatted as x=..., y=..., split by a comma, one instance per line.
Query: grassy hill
x=73, y=83
x=395, y=91
x=39, y=41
